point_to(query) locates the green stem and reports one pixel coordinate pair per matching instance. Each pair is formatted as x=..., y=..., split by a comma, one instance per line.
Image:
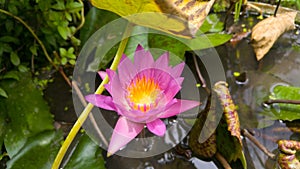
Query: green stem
x=238, y=7
x=33, y=34
x=89, y=107
x=82, y=18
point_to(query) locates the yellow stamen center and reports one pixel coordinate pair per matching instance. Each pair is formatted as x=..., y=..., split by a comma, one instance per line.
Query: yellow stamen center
x=143, y=93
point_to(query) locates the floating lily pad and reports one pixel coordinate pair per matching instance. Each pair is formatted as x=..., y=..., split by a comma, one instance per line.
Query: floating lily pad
x=87, y=154
x=24, y=113
x=38, y=152
x=286, y=111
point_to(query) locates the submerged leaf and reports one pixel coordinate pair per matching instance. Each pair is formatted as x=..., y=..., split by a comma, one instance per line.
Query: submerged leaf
x=180, y=18
x=266, y=32
x=3, y=93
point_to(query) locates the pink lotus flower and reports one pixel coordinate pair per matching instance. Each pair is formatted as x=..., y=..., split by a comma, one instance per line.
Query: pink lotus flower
x=141, y=93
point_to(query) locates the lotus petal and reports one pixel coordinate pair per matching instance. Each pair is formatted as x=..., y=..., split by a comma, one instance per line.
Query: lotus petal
x=105, y=102
x=124, y=131
x=157, y=127
x=178, y=107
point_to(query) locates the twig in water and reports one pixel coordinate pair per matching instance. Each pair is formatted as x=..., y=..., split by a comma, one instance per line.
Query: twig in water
x=222, y=160
x=268, y=102
x=198, y=71
x=258, y=144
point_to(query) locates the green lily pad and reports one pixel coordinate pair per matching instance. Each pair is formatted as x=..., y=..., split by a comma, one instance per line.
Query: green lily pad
x=24, y=112
x=167, y=43
x=38, y=152
x=87, y=154
x=286, y=111
x=137, y=39
x=207, y=41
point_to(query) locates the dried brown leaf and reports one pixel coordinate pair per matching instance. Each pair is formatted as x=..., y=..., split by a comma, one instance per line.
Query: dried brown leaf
x=266, y=32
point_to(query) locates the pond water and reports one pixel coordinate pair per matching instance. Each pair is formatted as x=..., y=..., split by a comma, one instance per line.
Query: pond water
x=280, y=66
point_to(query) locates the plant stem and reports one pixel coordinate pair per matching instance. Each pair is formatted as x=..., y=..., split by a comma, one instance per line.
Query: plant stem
x=198, y=71
x=89, y=107
x=237, y=10
x=277, y=8
x=268, y=102
x=82, y=18
x=222, y=160
x=33, y=34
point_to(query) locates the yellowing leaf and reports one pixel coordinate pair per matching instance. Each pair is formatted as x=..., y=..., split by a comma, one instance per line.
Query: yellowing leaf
x=266, y=32
x=178, y=17
x=229, y=109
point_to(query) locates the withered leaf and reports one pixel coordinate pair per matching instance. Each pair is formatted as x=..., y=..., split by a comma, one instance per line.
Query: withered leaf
x=229, y=109
x=177, y=17
x=232, y=136
x=267, y=31
x=287, y=158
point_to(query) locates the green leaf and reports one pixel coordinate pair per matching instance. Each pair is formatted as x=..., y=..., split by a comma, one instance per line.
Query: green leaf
x=135, y=40
x=207, y=41
x=8, y=39
x=38, y=152
x=3, y=93
x=87, y=154
x=211, y=24
x=33, y=50
x=63, y=31
x=25, y=110
x=9, y=25
x=64, y=61
x=63, y=52
x=286, y=111
x=14, y=58
x=94, y=20
x=12, y=8
x=68, y=16
x=72, y=62
x=233, y=149
x=22, y=68
x=59, y=6
x=6, y=47
x=214, y=21
x=92, y=24
x=2, y=128
x=11, y=75
x=167, y=43
x=74, y=6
